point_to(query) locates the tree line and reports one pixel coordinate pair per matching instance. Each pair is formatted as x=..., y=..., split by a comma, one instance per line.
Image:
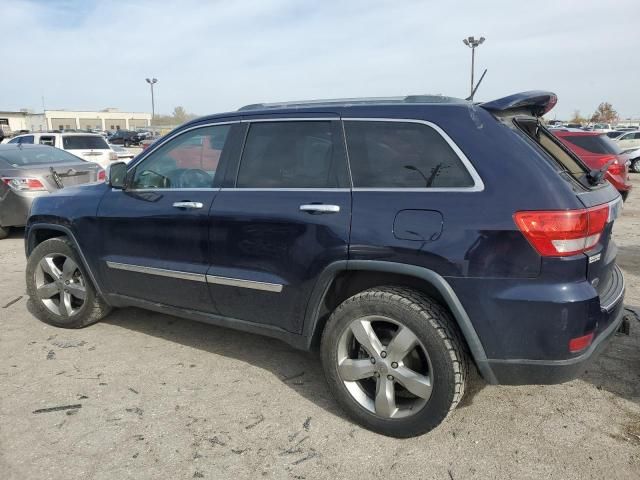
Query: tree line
x=605, y=113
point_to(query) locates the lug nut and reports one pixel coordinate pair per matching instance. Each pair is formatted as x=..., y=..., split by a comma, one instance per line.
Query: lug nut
x=394, y=364
x=383, y=354
x=389, y=377
x=373, y=360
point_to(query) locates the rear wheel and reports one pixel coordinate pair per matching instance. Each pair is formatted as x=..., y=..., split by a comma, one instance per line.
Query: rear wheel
x=635, y=165
x=59, y=288
x=394, y=361
x=126, y=143
x=4, y=232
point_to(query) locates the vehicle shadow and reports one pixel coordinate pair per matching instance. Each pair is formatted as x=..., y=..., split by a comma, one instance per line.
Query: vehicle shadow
x=298, y=370
x=617, y=369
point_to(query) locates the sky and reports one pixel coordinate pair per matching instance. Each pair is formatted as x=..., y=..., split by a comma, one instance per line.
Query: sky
x=215, y=56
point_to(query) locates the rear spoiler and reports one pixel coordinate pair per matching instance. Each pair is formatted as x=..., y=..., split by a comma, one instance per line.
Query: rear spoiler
x=533, y=102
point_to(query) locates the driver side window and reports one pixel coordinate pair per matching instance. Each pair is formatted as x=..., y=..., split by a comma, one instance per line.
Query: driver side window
x=189, y=160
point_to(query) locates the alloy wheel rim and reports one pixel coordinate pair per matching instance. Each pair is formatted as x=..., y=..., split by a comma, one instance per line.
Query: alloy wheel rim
x=60, y=285
x=384, y=367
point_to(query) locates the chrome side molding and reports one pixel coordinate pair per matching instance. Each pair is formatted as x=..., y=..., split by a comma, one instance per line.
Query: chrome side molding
x=198, y=277
x=237, y=282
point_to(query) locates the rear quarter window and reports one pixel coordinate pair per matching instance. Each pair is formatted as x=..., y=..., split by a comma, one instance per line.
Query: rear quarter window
x=79, y=142
x=386, y=154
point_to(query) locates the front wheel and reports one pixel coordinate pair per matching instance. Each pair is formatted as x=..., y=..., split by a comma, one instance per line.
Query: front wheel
x=394, y=361
x=61, y=293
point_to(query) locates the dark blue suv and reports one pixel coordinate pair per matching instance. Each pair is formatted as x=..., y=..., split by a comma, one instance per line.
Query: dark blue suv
x=408, y=238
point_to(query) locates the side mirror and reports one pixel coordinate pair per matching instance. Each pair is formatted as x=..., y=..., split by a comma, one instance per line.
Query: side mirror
x=116, y=175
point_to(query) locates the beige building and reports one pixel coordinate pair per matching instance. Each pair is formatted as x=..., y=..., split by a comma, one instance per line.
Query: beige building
x=107, y=119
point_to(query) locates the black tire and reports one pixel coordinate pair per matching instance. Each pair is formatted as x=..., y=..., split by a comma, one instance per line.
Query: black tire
x=4, y=232
x=433, y=327
x=93, y=308
x=635, y=165
x=125, y=143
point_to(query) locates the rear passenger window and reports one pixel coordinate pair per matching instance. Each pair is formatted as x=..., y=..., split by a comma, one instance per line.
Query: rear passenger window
x=402, y=155
x=305, y=154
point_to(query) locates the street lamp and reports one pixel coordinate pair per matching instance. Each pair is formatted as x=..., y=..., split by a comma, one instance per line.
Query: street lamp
x=151, y=82
x=472, y=43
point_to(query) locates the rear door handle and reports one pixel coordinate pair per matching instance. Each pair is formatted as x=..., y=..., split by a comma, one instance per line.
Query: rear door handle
x=187, y=205
x=319, y=208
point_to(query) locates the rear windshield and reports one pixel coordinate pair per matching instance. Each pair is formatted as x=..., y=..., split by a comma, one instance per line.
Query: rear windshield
x=594, y=143
x=550, y=144
x=21, y=157
x=78, y=142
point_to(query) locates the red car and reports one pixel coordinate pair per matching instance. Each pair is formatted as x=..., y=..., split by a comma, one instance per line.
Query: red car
x=595, y=150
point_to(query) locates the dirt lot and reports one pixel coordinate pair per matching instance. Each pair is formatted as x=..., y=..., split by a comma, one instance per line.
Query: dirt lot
x=167, y=398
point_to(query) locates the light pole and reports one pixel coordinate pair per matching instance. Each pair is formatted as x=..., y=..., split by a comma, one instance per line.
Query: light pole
x=151, y=82
x=472, y=43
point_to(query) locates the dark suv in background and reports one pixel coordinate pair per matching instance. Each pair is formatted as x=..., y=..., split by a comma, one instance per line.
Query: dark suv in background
x=126, y=138
x=407, y=238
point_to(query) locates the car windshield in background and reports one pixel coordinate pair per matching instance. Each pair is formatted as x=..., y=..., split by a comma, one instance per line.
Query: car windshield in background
x=22, y=157
x=595, y=143
x=614, y=134
x=78, y=142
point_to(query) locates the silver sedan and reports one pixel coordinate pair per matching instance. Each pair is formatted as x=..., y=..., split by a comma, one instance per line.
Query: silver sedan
x=29, y=171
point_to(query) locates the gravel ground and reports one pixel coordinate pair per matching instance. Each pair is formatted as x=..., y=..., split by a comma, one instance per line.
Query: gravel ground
x=161, y=397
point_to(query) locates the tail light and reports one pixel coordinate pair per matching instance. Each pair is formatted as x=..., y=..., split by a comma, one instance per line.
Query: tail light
x=24, y=184
x=556, y=233
x=102, y=175
x=580, y=343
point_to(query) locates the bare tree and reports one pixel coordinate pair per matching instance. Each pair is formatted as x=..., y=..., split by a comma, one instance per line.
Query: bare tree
x=605, y=114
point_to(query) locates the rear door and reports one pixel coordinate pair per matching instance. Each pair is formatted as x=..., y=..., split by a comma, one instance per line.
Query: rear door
x=283, y=217
x=155, y=233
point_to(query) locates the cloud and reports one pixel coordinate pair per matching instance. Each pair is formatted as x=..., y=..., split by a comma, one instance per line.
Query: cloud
x=216, y=56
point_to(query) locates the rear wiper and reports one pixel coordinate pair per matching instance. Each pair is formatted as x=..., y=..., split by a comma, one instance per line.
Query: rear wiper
x=596, y=176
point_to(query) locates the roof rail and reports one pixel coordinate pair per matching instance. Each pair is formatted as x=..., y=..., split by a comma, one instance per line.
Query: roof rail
x=354, y=101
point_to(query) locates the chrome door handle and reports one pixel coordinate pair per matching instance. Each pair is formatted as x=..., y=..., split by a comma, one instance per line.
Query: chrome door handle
x=187, y=205
x=319, y=208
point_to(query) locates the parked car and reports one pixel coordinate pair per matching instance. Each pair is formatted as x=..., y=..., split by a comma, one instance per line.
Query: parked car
x=87, y=146
x=601, y=127
x=629, y=140
x=30, y=171
x=398, y=236
x=597, y=150
x=123, y=154
x=124, y=137
x=634, y=160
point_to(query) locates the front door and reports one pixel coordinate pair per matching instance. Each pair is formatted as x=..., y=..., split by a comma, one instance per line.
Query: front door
x=155, y=232
x=285, y=217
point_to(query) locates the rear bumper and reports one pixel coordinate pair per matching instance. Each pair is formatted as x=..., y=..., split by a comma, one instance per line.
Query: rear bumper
x=14, y=207
x=545, y=372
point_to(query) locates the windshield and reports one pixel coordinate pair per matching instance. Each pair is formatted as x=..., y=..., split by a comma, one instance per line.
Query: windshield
x=600, y=144
x=21, y=157
x=77, y=142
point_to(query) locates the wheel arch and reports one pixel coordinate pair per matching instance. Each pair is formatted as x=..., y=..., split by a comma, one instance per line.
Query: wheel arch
x=343, y=279
x=40, y=232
